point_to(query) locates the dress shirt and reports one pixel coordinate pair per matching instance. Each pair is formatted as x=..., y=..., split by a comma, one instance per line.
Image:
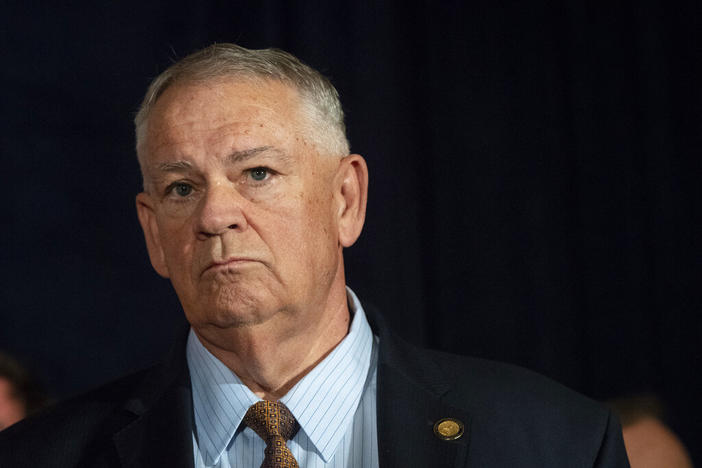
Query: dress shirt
x=334, y=405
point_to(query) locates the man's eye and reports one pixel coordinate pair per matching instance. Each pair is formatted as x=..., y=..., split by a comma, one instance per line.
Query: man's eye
x=259, y=173
x=182, y=189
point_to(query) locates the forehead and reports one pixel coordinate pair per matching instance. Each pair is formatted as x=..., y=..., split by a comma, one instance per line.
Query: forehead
x=219, y=94
x=197, y=111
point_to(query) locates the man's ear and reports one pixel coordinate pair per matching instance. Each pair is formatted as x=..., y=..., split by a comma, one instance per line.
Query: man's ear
x=147, y=219
x=351, y=193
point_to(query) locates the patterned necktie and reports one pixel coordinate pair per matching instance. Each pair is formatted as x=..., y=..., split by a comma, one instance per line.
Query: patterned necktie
x=275, y=424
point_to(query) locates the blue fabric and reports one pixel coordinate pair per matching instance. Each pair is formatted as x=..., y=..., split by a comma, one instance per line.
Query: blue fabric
x=335, y=404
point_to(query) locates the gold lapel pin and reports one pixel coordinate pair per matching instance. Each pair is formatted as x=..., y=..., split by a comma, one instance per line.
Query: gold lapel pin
x=448, y=429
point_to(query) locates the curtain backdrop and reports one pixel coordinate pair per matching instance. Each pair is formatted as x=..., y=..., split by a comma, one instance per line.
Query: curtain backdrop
x=534, y=169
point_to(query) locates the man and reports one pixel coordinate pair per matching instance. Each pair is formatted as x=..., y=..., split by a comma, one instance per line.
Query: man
x=250, y=196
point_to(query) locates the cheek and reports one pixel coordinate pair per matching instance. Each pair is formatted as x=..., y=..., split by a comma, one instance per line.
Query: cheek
x=317, y=213
x=299, y=229
x=318, y=226
x=177, y=239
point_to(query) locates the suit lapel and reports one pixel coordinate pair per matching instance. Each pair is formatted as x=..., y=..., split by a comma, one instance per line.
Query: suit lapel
x=161, y=434
x=406, y=418
x=409, y=403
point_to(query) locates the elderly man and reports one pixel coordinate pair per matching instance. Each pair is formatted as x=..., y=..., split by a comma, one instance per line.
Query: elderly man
x=250, y=196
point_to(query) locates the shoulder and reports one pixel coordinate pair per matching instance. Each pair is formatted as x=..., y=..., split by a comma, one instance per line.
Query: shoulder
x=487, y=388
x=485, y=380
x=512, y=411
x=496, y=387
x=66, y=430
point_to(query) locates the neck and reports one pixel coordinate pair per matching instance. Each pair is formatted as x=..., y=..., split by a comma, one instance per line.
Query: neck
x=271, y=357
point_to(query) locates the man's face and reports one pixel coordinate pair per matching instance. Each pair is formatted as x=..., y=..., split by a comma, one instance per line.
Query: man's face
x=240, y=211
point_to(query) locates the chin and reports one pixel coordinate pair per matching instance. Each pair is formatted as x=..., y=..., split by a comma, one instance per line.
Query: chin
x=232, y=307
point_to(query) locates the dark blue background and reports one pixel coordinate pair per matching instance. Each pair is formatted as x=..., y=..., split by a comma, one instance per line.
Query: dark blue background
x=534, y=195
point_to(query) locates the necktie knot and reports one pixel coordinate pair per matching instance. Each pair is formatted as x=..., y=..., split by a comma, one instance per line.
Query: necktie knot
x=271, y=419
x=274, y=423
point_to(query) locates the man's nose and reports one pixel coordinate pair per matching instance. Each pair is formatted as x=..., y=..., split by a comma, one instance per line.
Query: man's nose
x=221, y=210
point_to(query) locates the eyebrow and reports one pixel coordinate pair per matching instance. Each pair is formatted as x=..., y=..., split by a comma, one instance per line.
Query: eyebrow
x=175, y=166
x=235, y=157
x=239, y=156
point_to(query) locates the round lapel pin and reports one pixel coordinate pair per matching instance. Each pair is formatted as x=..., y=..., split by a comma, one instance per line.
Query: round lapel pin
x=448, y=429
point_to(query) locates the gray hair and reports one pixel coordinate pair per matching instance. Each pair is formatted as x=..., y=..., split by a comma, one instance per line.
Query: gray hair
x=319, y=99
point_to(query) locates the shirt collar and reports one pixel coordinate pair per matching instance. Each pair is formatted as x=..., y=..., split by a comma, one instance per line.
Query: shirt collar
x=220, y=399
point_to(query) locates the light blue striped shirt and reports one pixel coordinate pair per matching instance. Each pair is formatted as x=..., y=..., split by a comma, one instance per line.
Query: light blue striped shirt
x=334, y=404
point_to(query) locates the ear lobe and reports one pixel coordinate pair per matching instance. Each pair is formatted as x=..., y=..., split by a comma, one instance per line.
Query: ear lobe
x=352, y=193
x=147, y=219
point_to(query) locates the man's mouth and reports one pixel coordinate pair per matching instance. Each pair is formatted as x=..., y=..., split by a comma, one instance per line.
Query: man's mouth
x=228, y=264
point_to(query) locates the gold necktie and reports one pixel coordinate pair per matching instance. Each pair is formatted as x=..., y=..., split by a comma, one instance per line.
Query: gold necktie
x=275, y=424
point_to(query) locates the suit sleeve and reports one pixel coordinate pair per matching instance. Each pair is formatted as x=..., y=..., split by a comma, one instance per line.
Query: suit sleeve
x=612, y=453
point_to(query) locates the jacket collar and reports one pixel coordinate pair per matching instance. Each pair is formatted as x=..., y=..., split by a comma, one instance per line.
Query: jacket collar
x=410, y=395
x=161, y=433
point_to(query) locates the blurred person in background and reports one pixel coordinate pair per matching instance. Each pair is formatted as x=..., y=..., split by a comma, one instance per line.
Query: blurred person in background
x=20, y=393
x=649, y=442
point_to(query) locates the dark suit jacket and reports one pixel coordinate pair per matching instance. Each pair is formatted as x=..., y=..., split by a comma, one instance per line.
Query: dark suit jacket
x=512, y=418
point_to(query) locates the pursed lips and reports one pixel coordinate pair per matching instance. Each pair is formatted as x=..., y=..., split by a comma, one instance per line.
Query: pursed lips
x=228, y=263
